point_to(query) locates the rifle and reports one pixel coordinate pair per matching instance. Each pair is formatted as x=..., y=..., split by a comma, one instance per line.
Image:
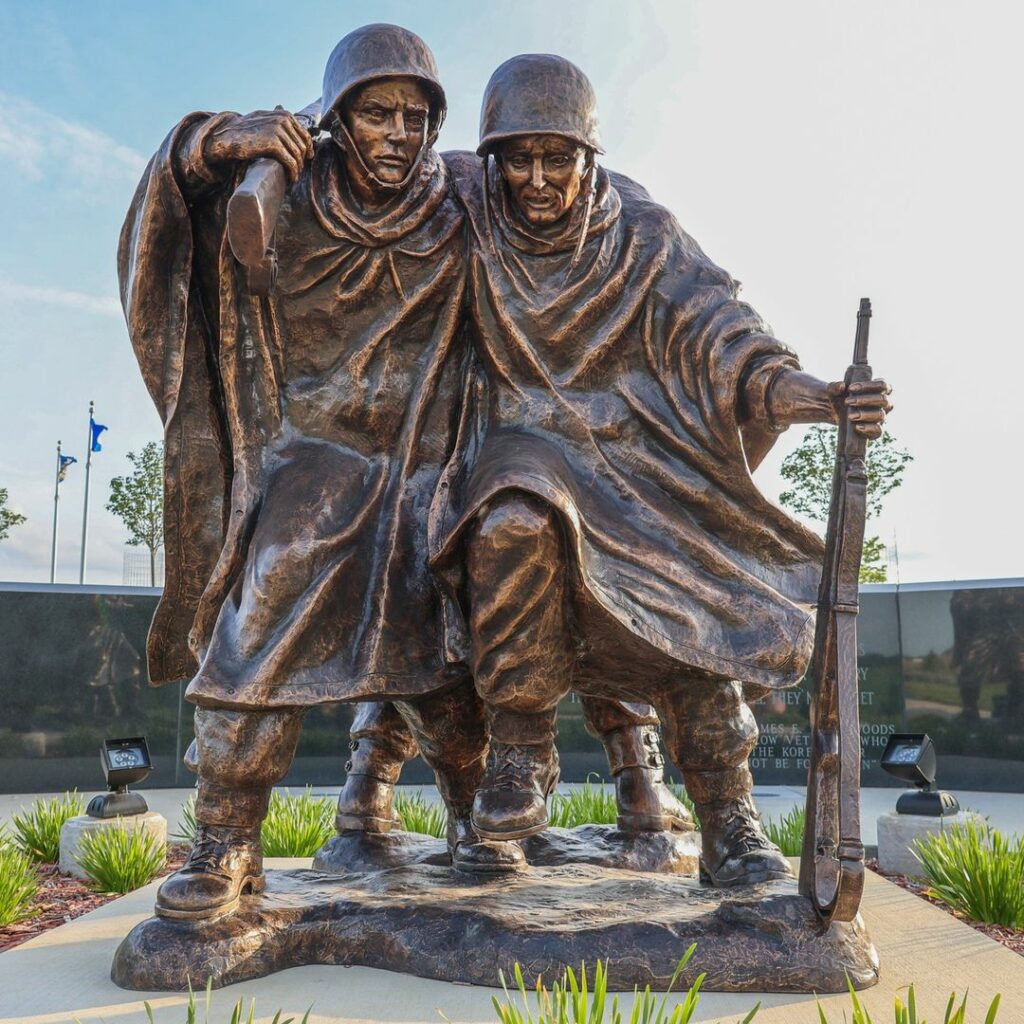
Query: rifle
x=832, y=863
x=253, y=210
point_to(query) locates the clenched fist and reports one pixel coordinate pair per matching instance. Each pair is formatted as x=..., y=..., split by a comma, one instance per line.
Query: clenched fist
x=867, y=403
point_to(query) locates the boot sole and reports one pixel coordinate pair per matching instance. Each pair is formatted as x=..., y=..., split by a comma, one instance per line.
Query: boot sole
x=653, y=823
x=761, y=876
x=519, y=833
x=251, y=886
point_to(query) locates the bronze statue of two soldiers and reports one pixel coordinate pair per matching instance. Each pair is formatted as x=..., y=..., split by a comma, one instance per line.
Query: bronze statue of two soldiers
x=487, y=440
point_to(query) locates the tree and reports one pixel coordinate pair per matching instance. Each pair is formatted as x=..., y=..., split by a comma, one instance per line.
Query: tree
x=138, y=501
x=808, y=470
x=8, y=517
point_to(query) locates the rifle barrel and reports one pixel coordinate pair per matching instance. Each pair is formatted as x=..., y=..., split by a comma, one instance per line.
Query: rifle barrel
x=860, y=348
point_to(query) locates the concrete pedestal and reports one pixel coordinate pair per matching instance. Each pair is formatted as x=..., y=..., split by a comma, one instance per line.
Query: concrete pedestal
x=898, y=832
x=75, y=829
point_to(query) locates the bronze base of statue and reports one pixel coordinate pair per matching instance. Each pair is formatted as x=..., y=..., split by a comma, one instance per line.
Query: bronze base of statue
x=602, y=845
x=421, y=918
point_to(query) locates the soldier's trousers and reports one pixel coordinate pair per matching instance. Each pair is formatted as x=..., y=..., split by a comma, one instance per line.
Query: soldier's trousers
x=535, y=637
x=241, y=755
x=382, y=723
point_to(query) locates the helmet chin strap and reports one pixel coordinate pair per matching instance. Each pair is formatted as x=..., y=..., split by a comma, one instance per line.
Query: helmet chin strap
x=588, y=211
x=343, y=139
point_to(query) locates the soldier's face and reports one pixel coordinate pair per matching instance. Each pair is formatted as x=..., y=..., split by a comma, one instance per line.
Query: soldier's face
x=387, y=120
x=544, y=174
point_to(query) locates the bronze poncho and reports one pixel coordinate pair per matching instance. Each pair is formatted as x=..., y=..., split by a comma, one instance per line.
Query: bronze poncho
x=305, y=434
x=628, y=393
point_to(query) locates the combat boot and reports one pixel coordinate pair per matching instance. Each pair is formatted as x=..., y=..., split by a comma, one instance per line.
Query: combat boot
x=471, y=853
x=645, y=803
x=520, y=774
x=366, y=802
x=225, y=862
x=735, y=850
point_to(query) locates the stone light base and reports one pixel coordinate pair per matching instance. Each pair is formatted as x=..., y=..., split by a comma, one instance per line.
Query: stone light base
x=424, y=919
x=75, y=829
x=897, y=834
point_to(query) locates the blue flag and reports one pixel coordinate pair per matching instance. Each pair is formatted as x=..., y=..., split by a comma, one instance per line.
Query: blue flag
x=66, y=462
x=97, y=429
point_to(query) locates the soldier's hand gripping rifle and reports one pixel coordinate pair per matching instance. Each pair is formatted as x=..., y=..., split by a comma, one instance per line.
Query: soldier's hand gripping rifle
x=253, y=210
x=832, y=863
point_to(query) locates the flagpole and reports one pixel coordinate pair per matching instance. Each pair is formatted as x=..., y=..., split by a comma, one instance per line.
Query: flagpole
x=56, y=498
x=85, y=507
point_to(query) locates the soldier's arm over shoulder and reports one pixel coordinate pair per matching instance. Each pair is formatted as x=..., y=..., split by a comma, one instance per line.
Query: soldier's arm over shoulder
x=194, y=172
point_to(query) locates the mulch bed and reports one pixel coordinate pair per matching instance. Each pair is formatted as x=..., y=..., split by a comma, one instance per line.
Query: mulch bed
x=62, y=898
x=1013, y=940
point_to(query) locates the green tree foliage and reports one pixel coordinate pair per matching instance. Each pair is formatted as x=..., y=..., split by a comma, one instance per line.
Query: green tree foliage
x=8, y=517
x=808, y=471
x=138, y=501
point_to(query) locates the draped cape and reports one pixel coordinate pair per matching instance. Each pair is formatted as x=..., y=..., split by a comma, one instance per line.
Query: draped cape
x=627, y=392
x=304, y=434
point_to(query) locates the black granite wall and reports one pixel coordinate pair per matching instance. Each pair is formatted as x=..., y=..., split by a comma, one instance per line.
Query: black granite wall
x=943, y=659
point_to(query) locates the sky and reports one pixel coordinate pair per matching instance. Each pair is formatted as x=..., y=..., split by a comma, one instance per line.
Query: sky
x=819, y=152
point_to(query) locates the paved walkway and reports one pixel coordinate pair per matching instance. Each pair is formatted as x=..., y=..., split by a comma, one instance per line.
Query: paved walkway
x=65, y=973
x=1005, y=811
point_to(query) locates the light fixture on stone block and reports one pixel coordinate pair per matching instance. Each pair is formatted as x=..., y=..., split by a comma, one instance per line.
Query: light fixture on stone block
x=124, y=762
x=911, y=757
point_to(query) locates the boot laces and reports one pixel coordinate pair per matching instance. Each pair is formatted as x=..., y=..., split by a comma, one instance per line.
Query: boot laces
x=209, y=847
x=745, y=832
x=514, y=763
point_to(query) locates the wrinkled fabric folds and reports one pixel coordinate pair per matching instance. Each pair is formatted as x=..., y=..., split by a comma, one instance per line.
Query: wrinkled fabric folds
x=613, y=391
x=328, y=412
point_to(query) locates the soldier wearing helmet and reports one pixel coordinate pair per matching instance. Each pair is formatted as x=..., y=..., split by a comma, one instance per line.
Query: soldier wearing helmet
x=598, y=528
x=305, y=436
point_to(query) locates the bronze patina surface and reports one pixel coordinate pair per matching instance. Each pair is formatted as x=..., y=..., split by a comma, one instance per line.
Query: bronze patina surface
x=428, y=921
x=454, y=435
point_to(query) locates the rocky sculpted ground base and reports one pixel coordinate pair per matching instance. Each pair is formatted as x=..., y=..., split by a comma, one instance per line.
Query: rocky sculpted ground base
x=397, y=906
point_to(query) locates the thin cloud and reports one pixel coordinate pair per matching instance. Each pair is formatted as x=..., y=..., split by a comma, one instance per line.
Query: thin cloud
x=38, y=143
x=102, y=305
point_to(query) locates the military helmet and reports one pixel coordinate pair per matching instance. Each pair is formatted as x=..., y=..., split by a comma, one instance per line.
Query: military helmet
x=535, y=94
x=381, y=51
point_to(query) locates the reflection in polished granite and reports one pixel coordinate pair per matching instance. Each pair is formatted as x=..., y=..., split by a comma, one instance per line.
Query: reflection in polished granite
x=943, y=659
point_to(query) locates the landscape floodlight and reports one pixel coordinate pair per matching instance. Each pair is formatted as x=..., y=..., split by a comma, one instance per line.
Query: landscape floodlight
x=124, y=762
x=911, y=757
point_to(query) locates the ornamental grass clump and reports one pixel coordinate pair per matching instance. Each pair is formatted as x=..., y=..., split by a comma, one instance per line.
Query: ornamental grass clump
x=977, y=871
x=788, y=832
x=18, y=883
x=119, y=859
x=297, y=825
x=188, y=824
x=569, y=1000
x=192, y=1015
x=37, y=831
x=420, y=815
x=593, y=803
x=906, y=1013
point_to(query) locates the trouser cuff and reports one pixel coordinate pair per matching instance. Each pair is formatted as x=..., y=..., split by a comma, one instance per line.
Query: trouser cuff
x=378, y=761
x=386, y=731
x=719, y=786
x=238, y=808
x=523, y=730
x=632, y=747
